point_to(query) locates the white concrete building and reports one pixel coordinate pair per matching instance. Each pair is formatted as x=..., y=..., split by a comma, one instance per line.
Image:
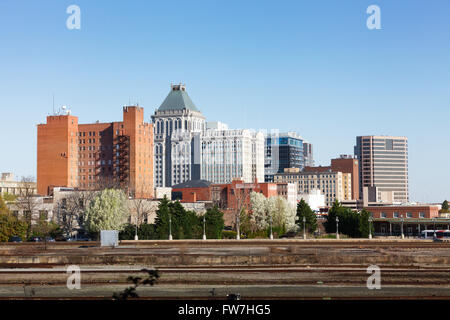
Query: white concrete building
x=230, y=154
x=176, y=122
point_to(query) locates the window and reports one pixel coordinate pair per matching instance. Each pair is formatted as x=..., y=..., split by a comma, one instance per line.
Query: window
x=421, y=214
x=395, y=214
x=383, y=215
x=409, y=215
x=389, y=144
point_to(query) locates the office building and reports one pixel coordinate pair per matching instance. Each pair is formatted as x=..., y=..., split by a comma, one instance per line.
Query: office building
x=282, y=150
x=383, y=163
x=231, y=154
x=176, y=122
x=92, y=156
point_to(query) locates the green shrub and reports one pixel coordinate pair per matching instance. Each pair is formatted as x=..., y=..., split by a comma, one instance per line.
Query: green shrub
x=229, y=234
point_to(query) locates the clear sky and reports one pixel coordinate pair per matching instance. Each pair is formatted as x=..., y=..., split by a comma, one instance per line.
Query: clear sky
x=308, y=66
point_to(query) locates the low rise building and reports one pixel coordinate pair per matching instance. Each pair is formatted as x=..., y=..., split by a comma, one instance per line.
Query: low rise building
x=17, y=188
x=334, y=185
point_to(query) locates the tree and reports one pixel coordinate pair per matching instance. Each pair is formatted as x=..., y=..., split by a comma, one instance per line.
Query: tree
x=3, y=208
x=445, y=206
x=364, y=224
x=72, y=208
x=10, y=225
x=214, y=223
x=27, y=201
x=282, y=213
x=259, y=213
x=162, y=219
x=130, y=292
x=241, y=199
x=275, y=209
x=107, y=211
x=351, y=223
x=330, y=224
x=139, y=205
x=9, y=197
x=304, y=210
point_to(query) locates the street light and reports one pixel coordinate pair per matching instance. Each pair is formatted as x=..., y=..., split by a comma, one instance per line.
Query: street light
x=337, y=227
x=403, y=236
x=271, y=233
x=434, y=228
x=204, y=227
x=136, y=229
x=370, y=231
x=304, y=224
x=238, y=232
x=170, y=228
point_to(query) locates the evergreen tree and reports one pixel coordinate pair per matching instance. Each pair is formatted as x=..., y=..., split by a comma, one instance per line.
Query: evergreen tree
x=364, y=224
x=214, y=223
x=445, y=206
x=330, y=224
x=162, y=219
x=304, y=210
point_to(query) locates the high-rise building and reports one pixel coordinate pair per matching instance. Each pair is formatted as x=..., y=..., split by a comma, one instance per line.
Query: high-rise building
x=282, y=150
x=232, y=154
x=308, y=154
x=175, y=123
x=383, y=163
x=87, y=156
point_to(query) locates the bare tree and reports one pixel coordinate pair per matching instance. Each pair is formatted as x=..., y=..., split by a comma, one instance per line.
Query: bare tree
x=139, y=204
x=27, y=201
x=241, y=197
x=71, y=210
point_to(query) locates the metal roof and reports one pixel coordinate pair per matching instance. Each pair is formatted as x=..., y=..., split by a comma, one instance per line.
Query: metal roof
x=177, y=99
x=192, y=184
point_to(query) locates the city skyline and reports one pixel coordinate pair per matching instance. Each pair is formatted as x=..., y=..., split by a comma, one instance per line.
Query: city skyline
x=376, y=82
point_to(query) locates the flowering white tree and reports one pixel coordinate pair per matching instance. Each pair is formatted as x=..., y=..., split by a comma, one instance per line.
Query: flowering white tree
x=259, y=215
x=282, y=213
x=107, y=211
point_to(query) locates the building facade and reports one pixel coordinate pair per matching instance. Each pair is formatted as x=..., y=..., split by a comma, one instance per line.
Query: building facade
x=232, y=154
x=344, y=164
x=284, y=150
x=333, y=185
x=308, y=156
x=92, y=156
x=176, y=122
x=16, y=188
x=383, y=163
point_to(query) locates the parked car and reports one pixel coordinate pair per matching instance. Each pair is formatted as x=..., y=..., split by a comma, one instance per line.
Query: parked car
x=15, y=239
x=60, y=238
x=35, y=239
x=79, y=238
x=49, y=239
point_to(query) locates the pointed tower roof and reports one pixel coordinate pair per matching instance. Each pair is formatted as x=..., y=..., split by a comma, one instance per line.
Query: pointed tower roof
x=177, y=99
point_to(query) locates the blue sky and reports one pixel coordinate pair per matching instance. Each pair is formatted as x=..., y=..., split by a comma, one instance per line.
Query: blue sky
x=307, y=66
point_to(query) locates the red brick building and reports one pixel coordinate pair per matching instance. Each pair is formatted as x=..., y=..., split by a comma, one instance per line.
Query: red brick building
x=87, y=156
x=406, y=212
